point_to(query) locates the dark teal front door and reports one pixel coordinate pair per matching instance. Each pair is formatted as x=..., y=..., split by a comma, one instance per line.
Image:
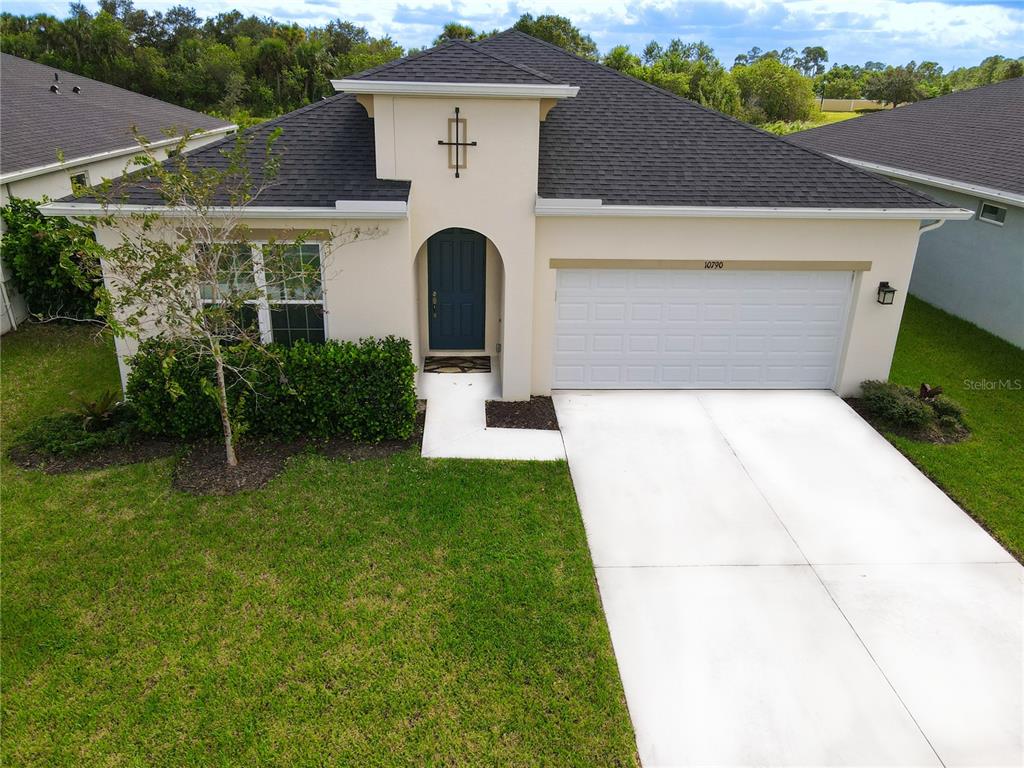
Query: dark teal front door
x=456, y=267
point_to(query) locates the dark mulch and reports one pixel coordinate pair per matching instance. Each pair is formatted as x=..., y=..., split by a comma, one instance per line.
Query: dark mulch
x=930, y=434
x=535, y=413
x=204, y=471
x=112, y=456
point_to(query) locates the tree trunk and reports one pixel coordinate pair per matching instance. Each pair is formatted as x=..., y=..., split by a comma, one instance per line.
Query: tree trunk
x=225, y=419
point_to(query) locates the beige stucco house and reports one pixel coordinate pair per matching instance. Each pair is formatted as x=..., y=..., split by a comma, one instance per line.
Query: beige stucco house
x=582, y=229
x=58, y=126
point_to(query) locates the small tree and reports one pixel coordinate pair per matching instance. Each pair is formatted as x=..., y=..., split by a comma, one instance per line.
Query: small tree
x=191, y=269
x=895, y=85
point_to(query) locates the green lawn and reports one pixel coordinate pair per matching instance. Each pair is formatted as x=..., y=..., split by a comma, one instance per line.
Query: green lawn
x=835, y=117
x=392, y=612
x=984, y=474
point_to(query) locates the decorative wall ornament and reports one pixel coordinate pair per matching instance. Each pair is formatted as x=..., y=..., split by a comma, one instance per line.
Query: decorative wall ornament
x=456, y=143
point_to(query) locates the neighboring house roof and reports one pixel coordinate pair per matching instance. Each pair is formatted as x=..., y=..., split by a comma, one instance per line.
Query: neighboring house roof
x=974, y=137
x=38, y=123
x=619, y=140
x=455, y=62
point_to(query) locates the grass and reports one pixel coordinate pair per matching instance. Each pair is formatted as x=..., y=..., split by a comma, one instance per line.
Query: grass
x=835, y=117
x=984, y=473
x=391, y=612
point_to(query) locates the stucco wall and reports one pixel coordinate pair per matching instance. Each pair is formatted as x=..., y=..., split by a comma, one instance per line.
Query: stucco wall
x=888, y=245
x=974, y=269
x=494, y=195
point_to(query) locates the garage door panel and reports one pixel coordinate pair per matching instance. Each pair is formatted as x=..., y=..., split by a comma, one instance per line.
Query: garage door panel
x=689, y=328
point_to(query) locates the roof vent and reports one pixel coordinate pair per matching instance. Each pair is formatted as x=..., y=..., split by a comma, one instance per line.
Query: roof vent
x=76, y=89
x=54, y=88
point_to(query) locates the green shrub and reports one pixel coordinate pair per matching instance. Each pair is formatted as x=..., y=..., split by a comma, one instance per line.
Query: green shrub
x=67, y=435
x=945, y=407
x=364, y=390
x=895, y=404
x=42, y=254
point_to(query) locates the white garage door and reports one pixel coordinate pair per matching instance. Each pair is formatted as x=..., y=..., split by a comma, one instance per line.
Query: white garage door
x=666, y=329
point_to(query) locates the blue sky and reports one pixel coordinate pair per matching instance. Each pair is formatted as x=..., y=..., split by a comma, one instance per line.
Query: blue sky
x=953, y=33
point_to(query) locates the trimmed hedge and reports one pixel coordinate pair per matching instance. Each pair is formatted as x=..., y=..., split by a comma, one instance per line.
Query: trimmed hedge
x=364, y=390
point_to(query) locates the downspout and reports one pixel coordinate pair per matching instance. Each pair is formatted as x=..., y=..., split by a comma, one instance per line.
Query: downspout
x=929, y=227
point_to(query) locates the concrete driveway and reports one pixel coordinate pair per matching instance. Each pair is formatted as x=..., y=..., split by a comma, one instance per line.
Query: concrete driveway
x=784, y=588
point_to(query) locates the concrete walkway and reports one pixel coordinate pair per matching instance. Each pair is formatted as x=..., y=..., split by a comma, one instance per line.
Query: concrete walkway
x=784, y=588
x=456, y=424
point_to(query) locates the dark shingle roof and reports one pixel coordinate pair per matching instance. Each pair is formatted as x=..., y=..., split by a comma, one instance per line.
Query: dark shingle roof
x=620, y=140
x=630, y=143
x=974, y=136
x=456, y=62
x=326, y=153
x=38, y=123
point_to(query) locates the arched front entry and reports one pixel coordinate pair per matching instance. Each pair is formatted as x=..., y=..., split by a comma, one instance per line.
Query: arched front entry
x=460, y=279
x=456, y=290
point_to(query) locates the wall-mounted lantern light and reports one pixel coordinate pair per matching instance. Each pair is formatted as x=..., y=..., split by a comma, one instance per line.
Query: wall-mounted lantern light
x=886, y=293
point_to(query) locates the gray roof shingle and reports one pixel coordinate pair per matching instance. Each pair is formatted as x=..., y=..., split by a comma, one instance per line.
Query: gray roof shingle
x=630, y=143
x=325, y=151
x=620, y=140
x=974, y=136
x=37, y=124
x=456, y=61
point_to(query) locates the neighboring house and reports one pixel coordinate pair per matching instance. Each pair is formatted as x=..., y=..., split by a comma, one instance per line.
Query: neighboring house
x=56, y=126
x=965, y=149
x=587, y=231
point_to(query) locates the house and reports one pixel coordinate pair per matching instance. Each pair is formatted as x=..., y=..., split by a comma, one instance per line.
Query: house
x=58, y=126
x=581, y=228
x=965, y=149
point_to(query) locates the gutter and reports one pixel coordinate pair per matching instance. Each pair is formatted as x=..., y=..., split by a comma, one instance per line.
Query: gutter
x=110, y=154
x=989, y=193
x=595, y=207
x=492, y=90
x=343, y=209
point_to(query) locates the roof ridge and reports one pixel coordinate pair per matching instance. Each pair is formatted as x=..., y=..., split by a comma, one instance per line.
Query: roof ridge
x=475, y=46
x=253, y=129
x=708, y=110
x=401, y=60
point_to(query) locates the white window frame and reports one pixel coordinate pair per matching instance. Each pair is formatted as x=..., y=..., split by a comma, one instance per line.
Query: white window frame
x=263, y=304
x=84, y=173
x=993, y=222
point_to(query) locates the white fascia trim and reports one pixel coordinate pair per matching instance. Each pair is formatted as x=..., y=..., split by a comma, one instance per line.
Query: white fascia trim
x=585, y=207
x=492, y=90
x=69, y=164
x=989, y=193
x=343, y=209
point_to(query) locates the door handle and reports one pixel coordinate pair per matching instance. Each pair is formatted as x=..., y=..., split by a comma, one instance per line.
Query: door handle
x=433, y=303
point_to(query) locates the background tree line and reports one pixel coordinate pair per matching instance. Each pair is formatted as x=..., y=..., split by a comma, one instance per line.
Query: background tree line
x=241, y=66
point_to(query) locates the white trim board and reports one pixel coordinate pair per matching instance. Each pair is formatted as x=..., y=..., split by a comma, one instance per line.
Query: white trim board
x=492, y=90
x=595, y=207
x=344, y=209
x=989, y=193
x=71, y=163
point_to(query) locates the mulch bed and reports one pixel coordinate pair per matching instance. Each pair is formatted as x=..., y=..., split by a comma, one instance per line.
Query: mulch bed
x=202, y=469
x=114, y=456
x=535, y=413
x=923, y=435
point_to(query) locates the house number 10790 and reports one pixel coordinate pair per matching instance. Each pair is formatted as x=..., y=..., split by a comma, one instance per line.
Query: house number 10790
x=714, y=265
